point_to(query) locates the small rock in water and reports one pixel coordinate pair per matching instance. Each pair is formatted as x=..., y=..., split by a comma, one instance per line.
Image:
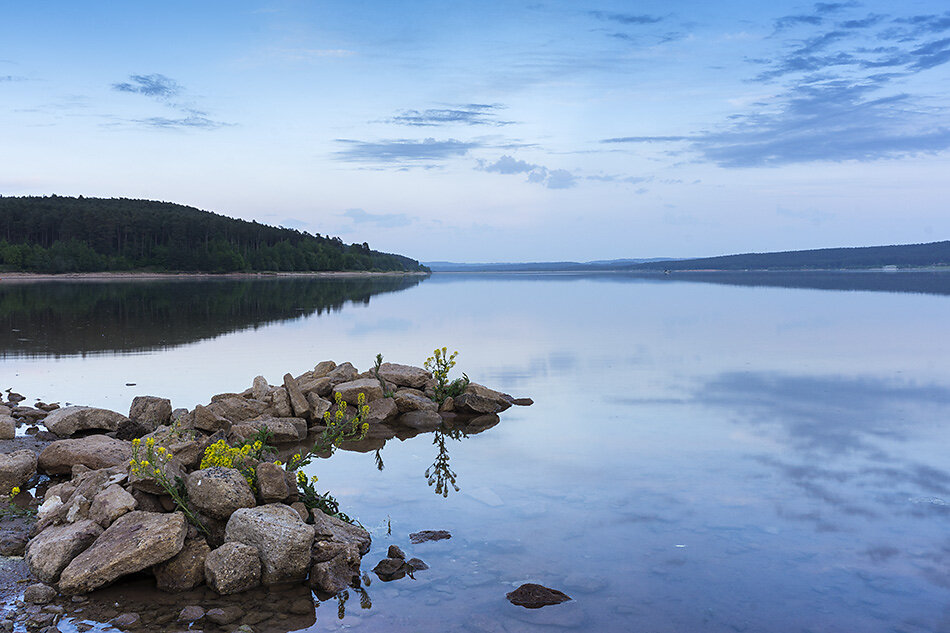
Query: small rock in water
x=191, y=613
x=39, y=594
x=417, y=564
x=534, y=596
x=428, y=535
x=127, y=621
x=395, y=552
x=390, y=569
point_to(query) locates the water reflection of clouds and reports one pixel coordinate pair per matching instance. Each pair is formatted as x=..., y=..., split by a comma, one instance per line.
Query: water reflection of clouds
x=832, y=414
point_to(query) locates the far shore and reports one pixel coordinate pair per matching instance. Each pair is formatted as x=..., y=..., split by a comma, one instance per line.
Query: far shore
x=146, y=276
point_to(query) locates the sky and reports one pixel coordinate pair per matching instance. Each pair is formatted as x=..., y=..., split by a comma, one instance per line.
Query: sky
x=495, y=130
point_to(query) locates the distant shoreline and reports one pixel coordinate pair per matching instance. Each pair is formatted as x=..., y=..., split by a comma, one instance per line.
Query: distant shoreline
x=149, y=276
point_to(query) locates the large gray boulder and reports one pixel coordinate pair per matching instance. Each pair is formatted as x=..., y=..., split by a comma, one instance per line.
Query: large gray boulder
x=67, y=421
x=206, y=419
x=479, y=399
x=150, y=411
x=16, y=469
x=233, y=568
x=284, y=429
x=382, y=410
x=185, y=570
x=219, y=491
x=93, y=451
x=351, y=390
x=136, y=541
x=54, y=548
x=404, y=375
x=282, y=539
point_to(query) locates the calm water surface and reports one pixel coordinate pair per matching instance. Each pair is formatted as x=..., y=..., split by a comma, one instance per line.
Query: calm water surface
x=699, y=457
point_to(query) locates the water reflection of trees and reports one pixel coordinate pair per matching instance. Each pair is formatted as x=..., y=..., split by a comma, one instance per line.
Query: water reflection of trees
x=64, y=318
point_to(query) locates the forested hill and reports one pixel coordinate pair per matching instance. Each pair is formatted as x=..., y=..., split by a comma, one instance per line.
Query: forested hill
x=901, y=256
x=58, y=234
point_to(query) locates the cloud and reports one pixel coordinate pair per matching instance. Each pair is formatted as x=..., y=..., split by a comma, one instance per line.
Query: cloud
x=469, y=114
x=382, y=220
x=645, y=139
x=626, y=18
x=789, y=21
x=193, y=121
x=402, y=151
x=164, y=90
x=155, y=85
x=550, y=178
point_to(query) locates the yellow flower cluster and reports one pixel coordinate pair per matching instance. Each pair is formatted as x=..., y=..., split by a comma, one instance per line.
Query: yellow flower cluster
x=338, y=417
x=302, y=479
x=153, y=462
x=220, y=454
x=14, y=492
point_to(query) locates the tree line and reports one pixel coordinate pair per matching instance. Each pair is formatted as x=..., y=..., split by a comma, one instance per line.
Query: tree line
x=56, y=234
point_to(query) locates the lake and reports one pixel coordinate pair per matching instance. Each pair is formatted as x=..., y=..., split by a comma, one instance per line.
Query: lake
x=704, y=453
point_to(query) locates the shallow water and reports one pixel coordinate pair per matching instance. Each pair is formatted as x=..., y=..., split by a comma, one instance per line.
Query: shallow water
x=700, y=456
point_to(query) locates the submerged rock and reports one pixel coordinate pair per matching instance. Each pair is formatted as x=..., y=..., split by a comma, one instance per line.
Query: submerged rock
x=428, y=535
x=534, y=596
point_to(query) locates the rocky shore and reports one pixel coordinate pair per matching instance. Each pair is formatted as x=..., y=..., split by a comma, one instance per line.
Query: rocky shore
x=191, y=503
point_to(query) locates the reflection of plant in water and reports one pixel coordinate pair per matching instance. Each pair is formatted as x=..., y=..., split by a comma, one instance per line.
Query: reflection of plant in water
x=439, y=473
x=379, y=460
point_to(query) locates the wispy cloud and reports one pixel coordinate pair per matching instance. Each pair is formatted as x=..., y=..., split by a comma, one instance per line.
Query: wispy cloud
x=626, y=18
x=838, y=100
x=155, y=85
x=382, y=220
x=468, y=114
x=402, y=151
x=167, y=91
x=550, y=178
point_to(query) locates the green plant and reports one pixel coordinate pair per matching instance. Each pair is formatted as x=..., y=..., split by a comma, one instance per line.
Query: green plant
x=325, y=502
x=338, y=429
x=12, y=510
x=382, y=383
x=154, y=463
x=440, y=364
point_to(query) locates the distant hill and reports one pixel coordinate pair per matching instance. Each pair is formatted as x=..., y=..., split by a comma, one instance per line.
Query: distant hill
x=900, y=256
x=55, y=234
x=607, y=264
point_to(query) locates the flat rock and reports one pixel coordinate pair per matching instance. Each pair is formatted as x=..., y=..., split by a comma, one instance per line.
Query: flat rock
x=126, y=621
x=236, y=409
x=284, y=430
x=428, y=535
x=185, y=570
x=391, y=569
x=135, y=541
x=282, y=540
x=93, y=451
x=404, y=375
x=54, y=548
x=479, y=399
x=412, y=401
x=208, y=420
x=16, y=469
x=534, y=596
x=233, y=568
x=224, y=615
x=351, y=390
x=219, y=491
x=68, y=421
x=382, y=410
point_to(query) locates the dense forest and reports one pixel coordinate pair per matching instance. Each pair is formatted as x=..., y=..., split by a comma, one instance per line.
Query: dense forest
x=58, y=234
x=902, y=256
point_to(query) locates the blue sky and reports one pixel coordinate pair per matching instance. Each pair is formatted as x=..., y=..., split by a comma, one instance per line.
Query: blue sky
x=495, y=131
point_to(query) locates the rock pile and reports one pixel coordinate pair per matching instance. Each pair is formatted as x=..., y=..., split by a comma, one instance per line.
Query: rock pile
x=100, y=521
